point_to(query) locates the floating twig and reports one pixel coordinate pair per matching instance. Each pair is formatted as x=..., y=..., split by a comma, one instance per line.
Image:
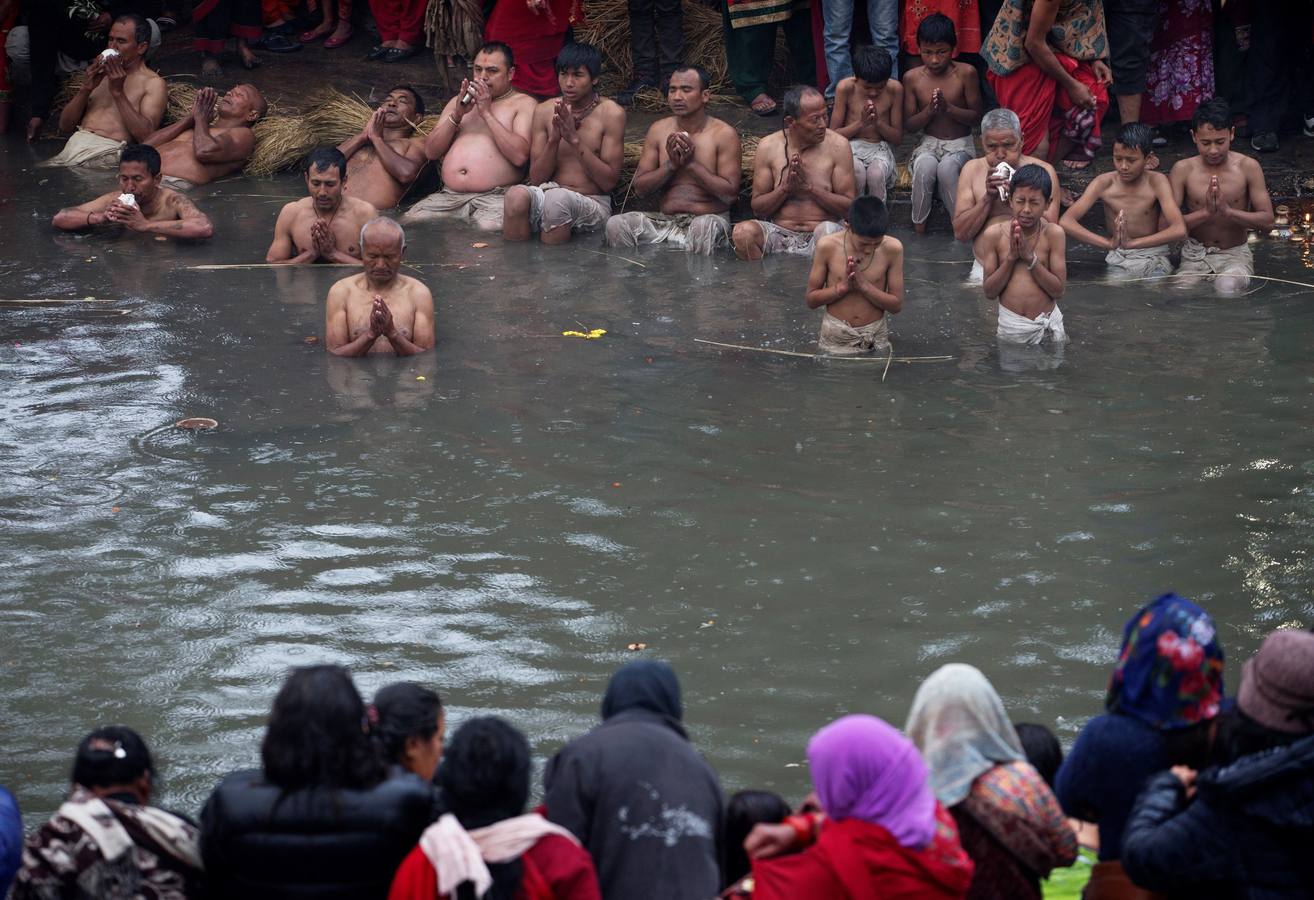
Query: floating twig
x=869, y=359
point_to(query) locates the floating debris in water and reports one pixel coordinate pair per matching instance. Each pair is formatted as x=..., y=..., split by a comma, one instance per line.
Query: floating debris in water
x=591, y=335
x=197, y=423
x=638, y=645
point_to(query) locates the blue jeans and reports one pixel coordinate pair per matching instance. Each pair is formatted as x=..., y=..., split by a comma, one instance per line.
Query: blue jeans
x=882, y=15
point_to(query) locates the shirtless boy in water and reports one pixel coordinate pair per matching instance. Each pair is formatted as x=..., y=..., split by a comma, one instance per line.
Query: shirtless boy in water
x=869, y=114
x=1025, y=266
x=857, y=276
x=1224, y=196
x=379, y=311
x=941, y=99
x=199, y=148
x=1136, y=200
x=324, y=227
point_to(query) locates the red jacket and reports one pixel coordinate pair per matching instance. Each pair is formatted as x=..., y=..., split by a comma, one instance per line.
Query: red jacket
x=854, y=860
x=554, y=869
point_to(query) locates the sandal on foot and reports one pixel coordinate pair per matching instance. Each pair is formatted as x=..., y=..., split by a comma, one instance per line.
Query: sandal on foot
x=335, y=42
x=763, y=105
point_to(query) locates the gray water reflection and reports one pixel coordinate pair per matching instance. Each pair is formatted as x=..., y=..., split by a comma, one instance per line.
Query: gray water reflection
x=800, y=539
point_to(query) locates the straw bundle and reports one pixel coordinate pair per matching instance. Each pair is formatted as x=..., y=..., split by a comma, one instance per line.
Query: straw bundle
x=280, y=143
x=334, y=117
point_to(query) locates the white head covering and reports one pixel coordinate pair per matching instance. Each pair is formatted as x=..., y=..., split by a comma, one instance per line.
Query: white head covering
x=958, y=723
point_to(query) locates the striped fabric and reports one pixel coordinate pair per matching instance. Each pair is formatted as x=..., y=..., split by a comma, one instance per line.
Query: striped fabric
x=744, y=13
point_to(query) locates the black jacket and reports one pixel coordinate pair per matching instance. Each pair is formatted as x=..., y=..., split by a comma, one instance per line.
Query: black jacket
x=1248, y=833
x=322, y=844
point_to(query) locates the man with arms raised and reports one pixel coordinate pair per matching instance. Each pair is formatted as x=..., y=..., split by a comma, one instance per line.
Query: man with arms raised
x=483, y=140
x=379, y=310
x=120, y=100
x=802, y=181
x=387, y=156
x=139, y=204
x=694, y=160
x=212, y=149
x=325, y=226
x=1223, y=195
x=575, y=159
x=983, y=192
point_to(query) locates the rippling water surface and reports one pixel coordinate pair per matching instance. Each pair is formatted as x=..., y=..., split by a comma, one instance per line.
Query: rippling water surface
x=799, y=539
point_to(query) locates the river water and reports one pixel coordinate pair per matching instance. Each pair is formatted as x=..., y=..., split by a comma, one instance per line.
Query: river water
x=502, y=518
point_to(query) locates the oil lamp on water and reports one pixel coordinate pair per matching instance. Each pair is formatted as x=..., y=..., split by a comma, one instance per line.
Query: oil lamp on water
x=1281, y=223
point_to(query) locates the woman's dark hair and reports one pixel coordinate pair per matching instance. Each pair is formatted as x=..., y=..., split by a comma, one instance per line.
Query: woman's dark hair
x=1239, y=735
x=746, y=809
x=1042, y=749
x=316, y=735
x=110, y=757
x=937, y=28
x=484, y=778
x=402, y=711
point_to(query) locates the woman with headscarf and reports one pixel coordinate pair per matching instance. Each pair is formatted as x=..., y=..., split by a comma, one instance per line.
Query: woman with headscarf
x=1165, y=691
x=1008, y=820
x=883, y=836
x=485, y=845
x=637, y=794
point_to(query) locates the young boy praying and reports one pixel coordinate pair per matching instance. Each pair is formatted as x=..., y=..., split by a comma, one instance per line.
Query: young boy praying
x=1024, y=263
x=1223, y=195
x=869, y=114
x=1136, y=202
x=941, y=99
x=857, y=276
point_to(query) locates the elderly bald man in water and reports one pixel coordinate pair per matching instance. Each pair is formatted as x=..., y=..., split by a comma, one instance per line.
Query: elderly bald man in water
x=380, y=310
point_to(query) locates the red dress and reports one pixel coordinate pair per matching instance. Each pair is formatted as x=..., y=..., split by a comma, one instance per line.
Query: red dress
x=965, y=14
x=553, y=869
x=535, y=33
x=854, y=860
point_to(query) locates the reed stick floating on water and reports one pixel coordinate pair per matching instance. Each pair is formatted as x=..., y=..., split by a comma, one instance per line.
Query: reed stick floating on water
x=868, y=359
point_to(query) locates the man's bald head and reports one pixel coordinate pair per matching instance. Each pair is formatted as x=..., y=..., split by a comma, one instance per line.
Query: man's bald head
x=381, y=229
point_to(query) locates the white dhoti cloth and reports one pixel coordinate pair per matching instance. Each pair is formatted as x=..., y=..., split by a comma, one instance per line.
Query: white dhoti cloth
x=176, y=183
x=696, y=234
x=867, y=154
x=1021, y=330
x=483, y=208
x=88, y=150
x=839, y=338
x=1143, y=263
x=977, y=275
x=783, y=240
x=1237, y=262
x=552, y=206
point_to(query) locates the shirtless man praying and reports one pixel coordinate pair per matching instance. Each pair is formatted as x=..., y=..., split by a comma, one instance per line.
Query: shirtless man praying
x=1025, y=264
x=575, y=159
x=857, y=276
x=140, y=204
x=802, y=181
x=379, y=310
x=120, y=100
x=695, y=161
x=325, y=226
x=384, y=160
x=983, y=194
x=1223, y=195
x=215, y=148
x=483, y=140
x=1140, y=214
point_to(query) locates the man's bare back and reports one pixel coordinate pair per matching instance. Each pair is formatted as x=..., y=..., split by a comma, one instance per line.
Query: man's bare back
x=958, y=86
x=351, y=304
x=1240, y=183
x=716, y=147
x=884, y=271
x=827, y=165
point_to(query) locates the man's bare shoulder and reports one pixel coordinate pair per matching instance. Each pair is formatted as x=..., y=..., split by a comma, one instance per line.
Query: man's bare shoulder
x=523, y=103
x=972, y=167
x=775, y=141
x=296, y=207
x=1157, y=180
x=358, y=208
x=845, y=86
x=346, y=285
x=415, y=287
x=721, y=130
x=1053, y=231
x=1186, y=166
x=661, y=128
x=612, y=110
x=834, y=239
x=997, y=230
x=837, y=143
x=915, y=77
x=894, y=87
x=1246, y=164
x=892, y=246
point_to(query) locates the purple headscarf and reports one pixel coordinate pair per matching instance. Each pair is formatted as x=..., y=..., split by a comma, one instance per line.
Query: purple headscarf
x=864, y=769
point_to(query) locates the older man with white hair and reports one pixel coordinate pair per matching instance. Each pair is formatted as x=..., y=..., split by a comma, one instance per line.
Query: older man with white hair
x=379, y=311
x=983, y=184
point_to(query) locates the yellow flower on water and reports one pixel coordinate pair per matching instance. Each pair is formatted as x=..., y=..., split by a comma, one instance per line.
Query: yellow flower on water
x=592, y=335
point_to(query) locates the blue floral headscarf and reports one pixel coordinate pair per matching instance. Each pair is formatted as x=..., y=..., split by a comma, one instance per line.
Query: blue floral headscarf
x=1170, y=670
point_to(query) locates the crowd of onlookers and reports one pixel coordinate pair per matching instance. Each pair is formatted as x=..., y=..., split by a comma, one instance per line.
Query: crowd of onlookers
x=1175, y=790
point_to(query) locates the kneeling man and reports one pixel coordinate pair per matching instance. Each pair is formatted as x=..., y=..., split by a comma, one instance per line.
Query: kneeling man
x=323, y=227
x=803, y=181
x=575, y=159
x=211, y=151
x=695, y=161
x=140, y=204
x=379, y=310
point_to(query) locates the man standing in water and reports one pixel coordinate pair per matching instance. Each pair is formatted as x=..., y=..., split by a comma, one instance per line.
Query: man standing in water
x=211, y=150
x=120, y=100
x=387, y=156
x=576, y=157
x=803, y=181
x=857, y=277
x=983, y=192
x=694, y=160
x=323, y=227
x=140, y=204
x=482, y=138
x=1223, y=195
x=1025, y=263
x=379, y=310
